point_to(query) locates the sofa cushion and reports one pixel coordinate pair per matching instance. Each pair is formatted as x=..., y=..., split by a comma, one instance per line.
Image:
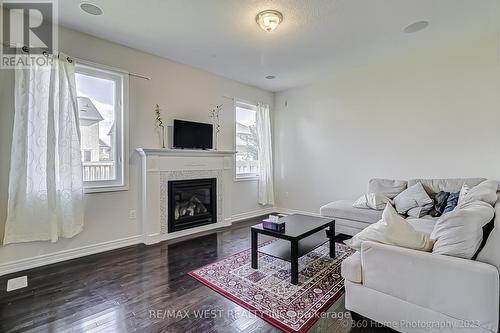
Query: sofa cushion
x=433, y=186
x=343, y=209
x=490, y=254
x=459, y=233
x=392, y=229
x=351, y=268
x=413, y=196
x=388, y=187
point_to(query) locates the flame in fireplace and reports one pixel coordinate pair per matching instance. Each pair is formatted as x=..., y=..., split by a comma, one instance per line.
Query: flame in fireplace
x=190, y=207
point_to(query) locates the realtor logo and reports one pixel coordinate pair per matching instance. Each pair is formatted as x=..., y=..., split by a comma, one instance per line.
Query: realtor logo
x=30, y=26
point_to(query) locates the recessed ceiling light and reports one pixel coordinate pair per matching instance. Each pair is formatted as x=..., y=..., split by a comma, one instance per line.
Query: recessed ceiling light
x=269, y=20
x=270, y=77
x=90, y=8
x=416, y=27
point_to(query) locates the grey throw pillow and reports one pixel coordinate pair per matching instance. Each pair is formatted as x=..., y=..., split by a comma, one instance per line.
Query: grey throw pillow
x=419, y=212
x=414, y=196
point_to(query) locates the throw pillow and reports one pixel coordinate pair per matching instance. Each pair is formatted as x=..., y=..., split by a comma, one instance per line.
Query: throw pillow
x=452, y=202
x=440, y=201
x=419, y=212
x=459, y=233
x=463, y=192
x=414, y=196
x=485, y=191
x=388, y=187
x=375, y=201
x=392, y=229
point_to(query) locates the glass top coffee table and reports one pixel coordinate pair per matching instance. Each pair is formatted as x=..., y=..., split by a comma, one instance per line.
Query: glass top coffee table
x=302, y=234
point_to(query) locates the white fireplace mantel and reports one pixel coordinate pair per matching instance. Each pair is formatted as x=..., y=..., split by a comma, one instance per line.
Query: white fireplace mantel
x=182, y=152
x=158, y=166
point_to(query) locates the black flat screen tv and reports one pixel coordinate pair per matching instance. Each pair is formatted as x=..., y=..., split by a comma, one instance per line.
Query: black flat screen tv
x=192, y=135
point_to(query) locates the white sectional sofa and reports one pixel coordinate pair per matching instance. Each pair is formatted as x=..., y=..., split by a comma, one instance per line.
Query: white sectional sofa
x=350, y=220
x=415, y=291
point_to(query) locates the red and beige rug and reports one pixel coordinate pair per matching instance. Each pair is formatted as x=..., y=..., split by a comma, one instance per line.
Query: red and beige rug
x=267, y=291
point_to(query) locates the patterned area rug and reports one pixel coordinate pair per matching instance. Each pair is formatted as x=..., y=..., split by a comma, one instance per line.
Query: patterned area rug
x=267, y=291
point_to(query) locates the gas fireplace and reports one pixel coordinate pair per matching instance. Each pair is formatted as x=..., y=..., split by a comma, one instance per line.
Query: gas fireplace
x=192, y=203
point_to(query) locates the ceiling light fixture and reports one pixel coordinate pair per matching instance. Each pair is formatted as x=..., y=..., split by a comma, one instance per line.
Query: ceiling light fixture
x=270, y=77
x=90, y=8
x=269, y=20
x=416, y=27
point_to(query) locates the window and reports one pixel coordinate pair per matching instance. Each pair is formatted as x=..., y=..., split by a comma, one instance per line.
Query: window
x=247, y=159
x=87, y=155
x=101, y=107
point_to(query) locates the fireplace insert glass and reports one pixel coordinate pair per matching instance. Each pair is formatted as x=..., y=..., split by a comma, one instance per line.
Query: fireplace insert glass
x=192, y=203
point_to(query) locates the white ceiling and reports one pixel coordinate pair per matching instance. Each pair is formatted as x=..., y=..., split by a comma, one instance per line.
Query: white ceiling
x=316, y=37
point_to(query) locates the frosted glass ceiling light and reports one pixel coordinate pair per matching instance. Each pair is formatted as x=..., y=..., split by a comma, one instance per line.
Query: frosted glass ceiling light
x=269, y=20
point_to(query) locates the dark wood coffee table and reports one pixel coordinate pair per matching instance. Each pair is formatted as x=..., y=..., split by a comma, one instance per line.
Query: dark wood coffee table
x=302, y=234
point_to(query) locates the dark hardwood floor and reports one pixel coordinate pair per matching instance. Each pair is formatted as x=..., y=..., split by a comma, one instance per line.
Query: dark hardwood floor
x=129, y=290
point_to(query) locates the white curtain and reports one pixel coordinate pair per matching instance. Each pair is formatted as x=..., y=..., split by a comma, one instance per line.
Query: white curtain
x=265, y=151
x=45, y=181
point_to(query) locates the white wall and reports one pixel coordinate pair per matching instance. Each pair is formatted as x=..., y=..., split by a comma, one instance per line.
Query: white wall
x=182, y=92
x=430, y=113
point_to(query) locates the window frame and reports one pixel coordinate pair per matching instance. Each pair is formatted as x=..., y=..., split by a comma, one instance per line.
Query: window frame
x=121, y=78
x=240, y=103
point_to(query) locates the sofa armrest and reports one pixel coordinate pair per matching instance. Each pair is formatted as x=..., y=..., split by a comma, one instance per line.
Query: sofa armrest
x=460, y=288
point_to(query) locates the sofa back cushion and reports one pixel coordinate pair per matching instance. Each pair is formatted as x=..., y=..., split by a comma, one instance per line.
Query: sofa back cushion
x=433, y=186
x=485, y=191
x=388, y=187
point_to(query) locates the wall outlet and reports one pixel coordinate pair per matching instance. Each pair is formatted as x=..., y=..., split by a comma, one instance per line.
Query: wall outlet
x=17, y=283
x=132, y=214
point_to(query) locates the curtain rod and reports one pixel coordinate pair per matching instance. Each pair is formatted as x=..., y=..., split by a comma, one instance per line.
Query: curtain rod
x=71, y=58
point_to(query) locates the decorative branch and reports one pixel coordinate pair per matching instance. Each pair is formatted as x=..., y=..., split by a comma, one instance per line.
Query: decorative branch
x=159, y=123
x=214, y=114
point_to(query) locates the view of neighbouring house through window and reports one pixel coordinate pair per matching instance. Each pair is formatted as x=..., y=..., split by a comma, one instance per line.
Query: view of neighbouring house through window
x=247, y=159
x=96, y=104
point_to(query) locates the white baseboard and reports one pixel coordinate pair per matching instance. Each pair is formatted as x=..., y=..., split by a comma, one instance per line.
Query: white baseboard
x=51, y=258
x=252, y=214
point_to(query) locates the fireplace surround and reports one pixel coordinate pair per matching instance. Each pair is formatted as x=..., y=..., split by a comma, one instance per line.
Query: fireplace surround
x=192, y=203
x=160, y=167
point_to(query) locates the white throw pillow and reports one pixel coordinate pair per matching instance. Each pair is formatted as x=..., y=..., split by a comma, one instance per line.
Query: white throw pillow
x=459, y=233
x=375, y=201
x=485, y=191
x=413, y=196
x=392, y=229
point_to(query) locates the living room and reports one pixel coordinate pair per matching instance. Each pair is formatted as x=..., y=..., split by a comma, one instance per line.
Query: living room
x=144, y=145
